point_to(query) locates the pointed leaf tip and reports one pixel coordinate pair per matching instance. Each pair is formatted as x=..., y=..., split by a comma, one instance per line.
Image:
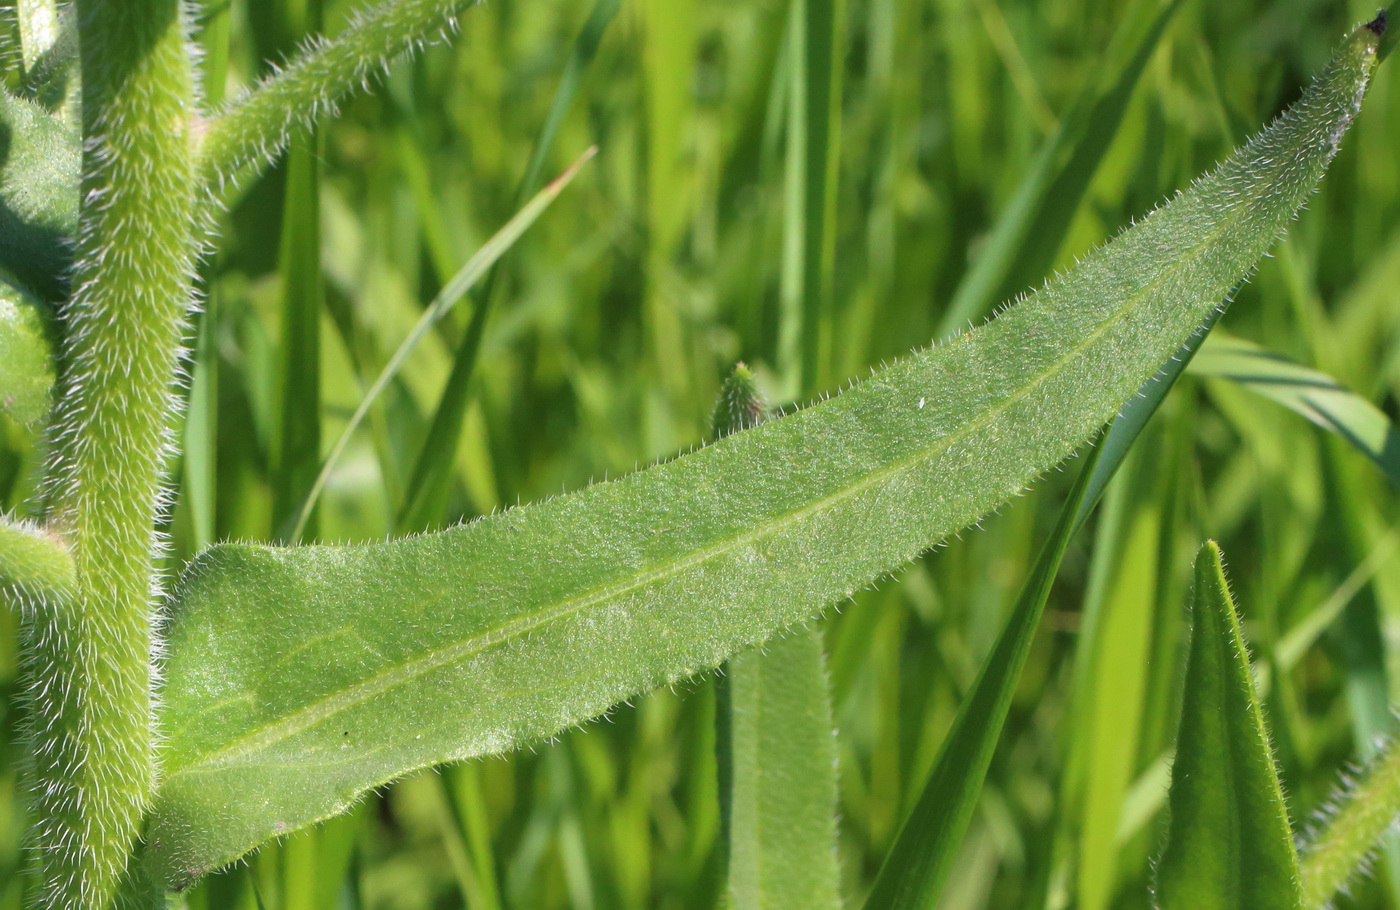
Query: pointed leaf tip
x=1229, y=844
x=741, y=403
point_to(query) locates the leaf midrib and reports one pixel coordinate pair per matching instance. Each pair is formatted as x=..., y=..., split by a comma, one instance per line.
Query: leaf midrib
x=314, y=713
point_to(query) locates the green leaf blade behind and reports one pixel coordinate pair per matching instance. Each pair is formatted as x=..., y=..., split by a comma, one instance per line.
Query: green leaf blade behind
x=1230, y=844
x=775, y=745
x=781, y=792
x=1027, y=235
x=931, y=836
x=26, y=354
x=299, y=678
x=39, y=164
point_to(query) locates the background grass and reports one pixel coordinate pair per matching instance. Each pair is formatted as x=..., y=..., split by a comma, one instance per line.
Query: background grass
x=705, y=233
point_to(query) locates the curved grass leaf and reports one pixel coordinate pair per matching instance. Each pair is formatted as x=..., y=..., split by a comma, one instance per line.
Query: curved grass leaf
x=299, y=678
x=931, y=837
x=428, y=484
x=1229, y=845
x=456, y=288
x=1309, y=393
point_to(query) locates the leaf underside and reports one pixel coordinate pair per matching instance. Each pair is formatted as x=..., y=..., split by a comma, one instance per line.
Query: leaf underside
x=297, y=679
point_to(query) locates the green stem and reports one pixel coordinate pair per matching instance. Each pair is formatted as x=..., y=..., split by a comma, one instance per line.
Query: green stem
x=1353, y=830
x=249, y=133
x=89, y=663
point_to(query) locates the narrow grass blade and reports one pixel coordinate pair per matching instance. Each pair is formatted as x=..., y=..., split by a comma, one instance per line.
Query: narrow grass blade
x=809, y=195
x=215, y=28
x=26, y=354
x=199, y=442
x=1108, y=714
x=1309, y=393
x=367, y=662
x=929, y=841
x=1094, y=130
x=1026, y=237
x=1389, y=38
x=1359, y=635
x=1351, y=830
x=303, y=298
x=1304, y=634
x=669, y=56
x=452, y=292
x=1135, y=413
x=814, y=134
x=775, y=746
x=199, y=437
x=432, y=470
x=1229, y=845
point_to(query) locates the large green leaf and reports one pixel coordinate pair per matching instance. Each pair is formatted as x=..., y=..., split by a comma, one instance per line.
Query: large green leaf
x=1230, y=846
x=298, y=678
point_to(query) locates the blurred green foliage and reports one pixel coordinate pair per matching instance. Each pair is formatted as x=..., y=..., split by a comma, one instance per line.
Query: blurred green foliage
x=613, y=324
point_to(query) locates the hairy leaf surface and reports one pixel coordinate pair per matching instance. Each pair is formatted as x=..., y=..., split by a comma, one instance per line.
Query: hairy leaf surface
x=298, y=678
x=1230, y=845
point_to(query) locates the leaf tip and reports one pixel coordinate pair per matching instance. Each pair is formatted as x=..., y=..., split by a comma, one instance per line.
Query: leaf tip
x=741, y=403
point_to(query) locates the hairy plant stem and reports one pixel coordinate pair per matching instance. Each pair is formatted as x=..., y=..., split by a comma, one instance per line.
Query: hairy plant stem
x=1351, y=828
x=89, y=658
x=250, y=132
